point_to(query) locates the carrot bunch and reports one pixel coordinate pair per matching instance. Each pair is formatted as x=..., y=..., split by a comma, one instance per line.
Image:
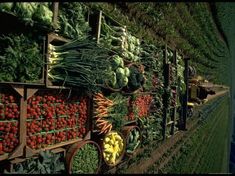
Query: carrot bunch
x=102, y=107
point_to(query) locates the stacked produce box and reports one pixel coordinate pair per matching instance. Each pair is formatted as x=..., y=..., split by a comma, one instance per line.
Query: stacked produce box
x=53, y=118
x=9, y=122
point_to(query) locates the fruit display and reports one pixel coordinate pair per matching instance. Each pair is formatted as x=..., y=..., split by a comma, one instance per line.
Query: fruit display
x=54, y=118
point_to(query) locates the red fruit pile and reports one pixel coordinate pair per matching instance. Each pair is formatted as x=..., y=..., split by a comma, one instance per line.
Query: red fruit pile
x=142, y=105
x=64, y=118
x=9, y=135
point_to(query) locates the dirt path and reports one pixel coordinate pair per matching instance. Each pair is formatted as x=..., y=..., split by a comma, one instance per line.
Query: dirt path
x=208, y=136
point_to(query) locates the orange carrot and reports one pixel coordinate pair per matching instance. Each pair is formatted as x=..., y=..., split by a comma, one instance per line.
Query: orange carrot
x=106, y=127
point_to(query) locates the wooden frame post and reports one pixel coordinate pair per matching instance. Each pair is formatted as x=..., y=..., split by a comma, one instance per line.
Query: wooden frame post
x=185, y=99
x=175, y=108
x=55, y=11
x=22, y=121
x=166, y=84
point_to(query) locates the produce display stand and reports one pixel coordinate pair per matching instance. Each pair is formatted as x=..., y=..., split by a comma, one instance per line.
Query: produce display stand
x=25, y=91
x=172, y=118
x=185, y=96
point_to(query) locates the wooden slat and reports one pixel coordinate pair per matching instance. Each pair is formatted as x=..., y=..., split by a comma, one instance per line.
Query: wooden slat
x=30, y=92
x=99, y=26
x=169, y=123
x=19, y=151
x=58, y=150
x=55, y=11
x=19, y=89
x=58, y=145
x=4, y=156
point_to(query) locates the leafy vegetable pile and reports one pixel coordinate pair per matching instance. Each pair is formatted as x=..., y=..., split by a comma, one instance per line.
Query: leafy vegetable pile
x=86, y=160
x=122, y=42
x=152, y=59
x=180, y=74
x=6, y=7
x=120, y=73
x=151, y=129
x=47, y=163
x=136, y=78
x=30, y=12
x=72, y=22
x=20, y=59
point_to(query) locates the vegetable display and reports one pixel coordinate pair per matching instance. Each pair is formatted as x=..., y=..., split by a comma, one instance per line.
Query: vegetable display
x=136, y=78
x=72, y=22
x=180, y=74
x=30, y=12
x=102, y=104
x=53, y=118
x=113, y=148
x=42, y=14
x=21, y=59
x=151, y=129
x=86, y=160
x=114, y=109
x=152, y=59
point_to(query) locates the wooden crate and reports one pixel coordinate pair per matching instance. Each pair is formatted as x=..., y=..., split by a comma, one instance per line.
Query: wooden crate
x=60, y=108
x=24, y=96
x=11, y=119
x=15, y=25
x=54, y=39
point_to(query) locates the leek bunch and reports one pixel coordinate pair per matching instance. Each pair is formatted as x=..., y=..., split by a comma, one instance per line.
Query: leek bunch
x=80, y=63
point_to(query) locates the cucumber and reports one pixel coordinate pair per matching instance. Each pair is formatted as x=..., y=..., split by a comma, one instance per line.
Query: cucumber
x=134, y=134
x=137, y=134
x=137, y=144
x=130, y=138
x=129, y=151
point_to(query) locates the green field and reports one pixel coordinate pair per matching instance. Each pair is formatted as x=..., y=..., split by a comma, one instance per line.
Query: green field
x=206, y=150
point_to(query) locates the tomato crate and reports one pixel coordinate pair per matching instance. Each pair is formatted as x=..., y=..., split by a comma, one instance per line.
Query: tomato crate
x=57, y=117
x=9, y=121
